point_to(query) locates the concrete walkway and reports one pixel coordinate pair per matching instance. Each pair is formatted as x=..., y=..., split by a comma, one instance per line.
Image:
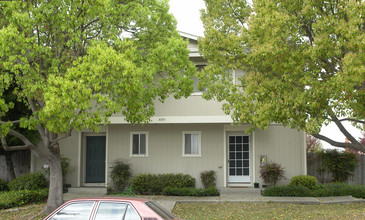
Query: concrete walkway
x=226, y=195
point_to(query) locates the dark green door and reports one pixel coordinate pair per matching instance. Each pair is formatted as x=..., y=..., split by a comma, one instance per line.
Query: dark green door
x=95, y=159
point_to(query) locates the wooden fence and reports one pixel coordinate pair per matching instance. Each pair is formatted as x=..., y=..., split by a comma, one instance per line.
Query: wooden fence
x=21, y=162
x=314, y=169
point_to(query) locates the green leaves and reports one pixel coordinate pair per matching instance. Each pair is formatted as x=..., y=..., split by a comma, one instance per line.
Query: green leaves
x=75, y=63
x=303, y=61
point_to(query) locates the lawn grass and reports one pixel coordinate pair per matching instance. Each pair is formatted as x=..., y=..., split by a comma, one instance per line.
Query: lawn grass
x=230, y=210
x=24, y=212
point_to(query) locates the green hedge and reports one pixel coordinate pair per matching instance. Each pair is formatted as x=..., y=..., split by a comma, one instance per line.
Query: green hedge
x=22, y=197
x=29, y=181
x=288, y=190
x=322, y=190
x=190, y=191
x=3, y=185
x=155, y=183
x=339, y=189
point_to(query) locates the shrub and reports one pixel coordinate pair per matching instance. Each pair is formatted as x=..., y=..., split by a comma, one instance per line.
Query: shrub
x=271, y=173
x=190, y=191
x=155, y=183
x=22, y=197
x=339, y=189
x=120, y=175
x=304, y=180
x=333, y=189
x=211, y=191
x=208, y=178
x=3, y=185
x=287, y=190
x=30, y=181
x=340, y=164
x=322, y=190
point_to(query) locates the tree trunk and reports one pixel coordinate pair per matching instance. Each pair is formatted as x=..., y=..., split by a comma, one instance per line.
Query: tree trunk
x=9, y=166
x=55, y=196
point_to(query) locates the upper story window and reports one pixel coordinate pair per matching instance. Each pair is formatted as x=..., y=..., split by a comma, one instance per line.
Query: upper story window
x=196, y=81
x=139, y=144
x=191, y=144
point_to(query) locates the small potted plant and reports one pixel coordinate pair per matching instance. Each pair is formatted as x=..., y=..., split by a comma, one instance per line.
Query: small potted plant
x=256, y=185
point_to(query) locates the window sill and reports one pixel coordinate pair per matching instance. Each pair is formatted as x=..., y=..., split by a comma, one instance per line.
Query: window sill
x=191, y=155
x=197, y=94
x=137, y=155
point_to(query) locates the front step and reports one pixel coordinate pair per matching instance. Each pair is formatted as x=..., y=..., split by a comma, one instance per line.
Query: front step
x=88, y=190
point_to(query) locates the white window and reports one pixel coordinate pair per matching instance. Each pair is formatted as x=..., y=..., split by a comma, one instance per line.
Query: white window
x=191, y=144
x=139, y=144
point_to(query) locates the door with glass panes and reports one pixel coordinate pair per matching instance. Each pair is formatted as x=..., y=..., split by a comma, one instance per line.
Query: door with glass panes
x=238, y=159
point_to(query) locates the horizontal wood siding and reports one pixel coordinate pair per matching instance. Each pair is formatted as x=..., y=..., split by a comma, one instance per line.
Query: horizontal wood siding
x=192, y=106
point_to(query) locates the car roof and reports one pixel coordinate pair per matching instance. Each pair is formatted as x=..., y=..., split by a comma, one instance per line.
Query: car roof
x=114, y=199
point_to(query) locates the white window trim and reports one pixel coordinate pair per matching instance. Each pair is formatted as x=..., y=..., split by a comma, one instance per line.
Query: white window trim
x=131, y=144
x=197, y=94
x=199, y=143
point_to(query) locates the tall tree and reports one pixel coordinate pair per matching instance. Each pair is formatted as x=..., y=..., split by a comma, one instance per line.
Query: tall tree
x=303, y=62
x=75, y=63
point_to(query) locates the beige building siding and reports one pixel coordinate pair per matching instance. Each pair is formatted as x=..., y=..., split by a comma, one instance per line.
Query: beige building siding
x=280, y=144
x=284, y=146
x=191, y=106
x=165, y=149
x=70, y=149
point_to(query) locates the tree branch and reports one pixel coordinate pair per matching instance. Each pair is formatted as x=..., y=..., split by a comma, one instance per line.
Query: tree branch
x=27, y=144
x=342, y=128
x=356, y=146
x=55, y=141
x=352, y=119
x=13, y=148
x=13, y=122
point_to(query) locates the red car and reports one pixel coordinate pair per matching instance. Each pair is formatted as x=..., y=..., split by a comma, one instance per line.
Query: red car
x=110, y=208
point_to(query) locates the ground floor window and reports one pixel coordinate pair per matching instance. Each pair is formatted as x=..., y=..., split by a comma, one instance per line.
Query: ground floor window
x=139, y=144
x=191, y=143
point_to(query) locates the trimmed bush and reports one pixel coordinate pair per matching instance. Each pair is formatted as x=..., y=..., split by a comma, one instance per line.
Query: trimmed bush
x=211, y=191
x=29, y=181
x=339, y=189
x=322, y=190
x=22, y=197
x=3, y=185
x=120, y=175
x=190, y=191
x=208, y=178
x=304, y=180
x=155, y=183
x=271, y=173
x=287, y=190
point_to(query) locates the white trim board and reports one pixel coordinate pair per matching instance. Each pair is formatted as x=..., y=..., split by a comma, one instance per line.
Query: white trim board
x=179, y=119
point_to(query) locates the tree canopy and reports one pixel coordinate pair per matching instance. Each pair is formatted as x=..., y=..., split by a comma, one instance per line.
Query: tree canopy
x=303, y=63
x=75, y=63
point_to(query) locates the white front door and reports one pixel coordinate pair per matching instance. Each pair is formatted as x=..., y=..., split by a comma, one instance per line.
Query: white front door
x=238, y=159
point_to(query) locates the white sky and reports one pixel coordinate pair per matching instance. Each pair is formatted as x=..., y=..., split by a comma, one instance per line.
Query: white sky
x=187, y=14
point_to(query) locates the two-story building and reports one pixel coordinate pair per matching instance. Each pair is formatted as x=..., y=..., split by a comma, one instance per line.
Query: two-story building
x=185, y=136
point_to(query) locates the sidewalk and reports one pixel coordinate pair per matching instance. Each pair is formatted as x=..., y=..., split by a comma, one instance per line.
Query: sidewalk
x=230, y=195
